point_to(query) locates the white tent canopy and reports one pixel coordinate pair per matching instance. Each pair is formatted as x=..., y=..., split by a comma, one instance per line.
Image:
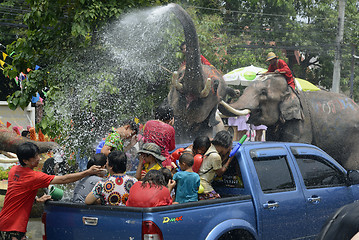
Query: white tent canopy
x=243, y=76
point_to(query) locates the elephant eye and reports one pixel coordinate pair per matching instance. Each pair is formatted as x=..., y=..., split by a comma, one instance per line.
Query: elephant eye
x=264, y=92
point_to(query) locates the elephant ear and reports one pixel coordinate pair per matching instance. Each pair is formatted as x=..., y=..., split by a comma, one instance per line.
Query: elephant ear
x=290, y=107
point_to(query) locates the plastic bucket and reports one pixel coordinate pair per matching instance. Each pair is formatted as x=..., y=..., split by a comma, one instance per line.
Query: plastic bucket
x=56, y=193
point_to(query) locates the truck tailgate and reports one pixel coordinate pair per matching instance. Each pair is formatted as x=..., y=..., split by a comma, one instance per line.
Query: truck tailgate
x=196, y=220
x=73, y=221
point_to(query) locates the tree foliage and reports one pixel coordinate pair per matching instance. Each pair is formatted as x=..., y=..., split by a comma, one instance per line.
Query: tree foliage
x=85, y=92
x=65, y=38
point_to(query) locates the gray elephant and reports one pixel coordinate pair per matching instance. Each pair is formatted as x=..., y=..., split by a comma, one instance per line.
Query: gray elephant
x=9, y=141
x=325, y=119
x=196, y=89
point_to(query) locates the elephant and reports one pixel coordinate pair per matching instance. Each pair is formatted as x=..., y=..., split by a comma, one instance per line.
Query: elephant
x=9, y=141
x=196, y=89
x=325, y=119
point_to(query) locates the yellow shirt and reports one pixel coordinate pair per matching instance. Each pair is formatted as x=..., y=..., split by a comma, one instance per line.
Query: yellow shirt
x=145, y=168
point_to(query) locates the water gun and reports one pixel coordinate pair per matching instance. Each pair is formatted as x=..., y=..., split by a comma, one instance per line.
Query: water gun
x=235, y=149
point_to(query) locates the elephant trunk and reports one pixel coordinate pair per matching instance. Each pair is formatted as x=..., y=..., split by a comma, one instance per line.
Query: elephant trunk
x=193, y=77
x=9, y=142
x=227, y=108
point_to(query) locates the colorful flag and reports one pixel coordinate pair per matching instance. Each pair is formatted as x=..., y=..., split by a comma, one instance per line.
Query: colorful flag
x=4, y=55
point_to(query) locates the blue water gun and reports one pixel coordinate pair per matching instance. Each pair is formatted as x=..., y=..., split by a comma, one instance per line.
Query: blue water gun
x=235, y=149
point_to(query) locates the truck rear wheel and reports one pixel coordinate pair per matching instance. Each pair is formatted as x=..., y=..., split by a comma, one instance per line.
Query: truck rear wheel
x=237, y=234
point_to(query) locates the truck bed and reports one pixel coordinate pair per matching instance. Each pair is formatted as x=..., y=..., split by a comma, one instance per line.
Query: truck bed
x=67, y=220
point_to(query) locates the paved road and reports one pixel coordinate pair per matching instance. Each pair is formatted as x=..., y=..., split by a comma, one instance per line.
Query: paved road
x=34, y=229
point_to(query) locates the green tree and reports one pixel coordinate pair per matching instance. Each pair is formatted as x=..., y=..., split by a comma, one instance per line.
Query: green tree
x=86, y=92
x=11, y=27
x=253, y=28
x=90, y=87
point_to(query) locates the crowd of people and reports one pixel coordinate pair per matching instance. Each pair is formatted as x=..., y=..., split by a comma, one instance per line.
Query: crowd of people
x=160, y=179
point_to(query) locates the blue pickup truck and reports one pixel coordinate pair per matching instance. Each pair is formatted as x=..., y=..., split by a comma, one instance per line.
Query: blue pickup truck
x=273, y=190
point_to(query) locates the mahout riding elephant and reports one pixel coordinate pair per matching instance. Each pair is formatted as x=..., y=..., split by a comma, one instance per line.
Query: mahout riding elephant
x=9, y=141
x=325, y=119
x=196, y=89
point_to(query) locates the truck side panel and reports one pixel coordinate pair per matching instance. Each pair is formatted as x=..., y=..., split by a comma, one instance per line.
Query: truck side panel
x=198, y=220
x=92, y=222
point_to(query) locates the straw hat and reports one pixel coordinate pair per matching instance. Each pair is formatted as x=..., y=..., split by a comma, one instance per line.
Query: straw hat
x=153, y=149
x=270, y=56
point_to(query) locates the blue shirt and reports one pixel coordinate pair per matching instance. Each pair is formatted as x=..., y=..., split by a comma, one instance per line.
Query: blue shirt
x=187, y=186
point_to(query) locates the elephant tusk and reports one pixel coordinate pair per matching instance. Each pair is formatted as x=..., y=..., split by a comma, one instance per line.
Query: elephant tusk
x=207, y=87
x=175, y=82
x=235, y=111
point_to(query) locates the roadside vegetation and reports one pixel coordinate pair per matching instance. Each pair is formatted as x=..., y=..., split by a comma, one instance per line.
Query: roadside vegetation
x=62, y=36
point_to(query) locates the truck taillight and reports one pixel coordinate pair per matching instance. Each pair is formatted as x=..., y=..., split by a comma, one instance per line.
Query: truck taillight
x=150, y=231
x=43, y=225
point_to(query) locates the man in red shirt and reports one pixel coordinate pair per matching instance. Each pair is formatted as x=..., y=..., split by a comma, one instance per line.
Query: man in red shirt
x=161, y=132
x=23, y=183
x=279, y=66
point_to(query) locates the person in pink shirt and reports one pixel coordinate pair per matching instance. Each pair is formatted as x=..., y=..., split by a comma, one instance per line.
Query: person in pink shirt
x=161, y=132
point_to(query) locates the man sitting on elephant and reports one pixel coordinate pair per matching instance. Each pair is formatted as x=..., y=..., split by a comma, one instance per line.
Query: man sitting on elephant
x=279, y=66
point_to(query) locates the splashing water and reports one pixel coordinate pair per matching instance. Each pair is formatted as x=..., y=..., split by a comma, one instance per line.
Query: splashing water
x=118, y=78
x=139, y=42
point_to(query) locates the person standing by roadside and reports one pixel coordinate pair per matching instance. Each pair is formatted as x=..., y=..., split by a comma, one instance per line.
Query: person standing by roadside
x=26, y=134
x=23, y=183
x=279, y=66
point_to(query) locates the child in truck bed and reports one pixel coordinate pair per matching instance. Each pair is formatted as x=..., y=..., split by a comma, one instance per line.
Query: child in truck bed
x=85, y=185
x=187, y=181
x=152, y=191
